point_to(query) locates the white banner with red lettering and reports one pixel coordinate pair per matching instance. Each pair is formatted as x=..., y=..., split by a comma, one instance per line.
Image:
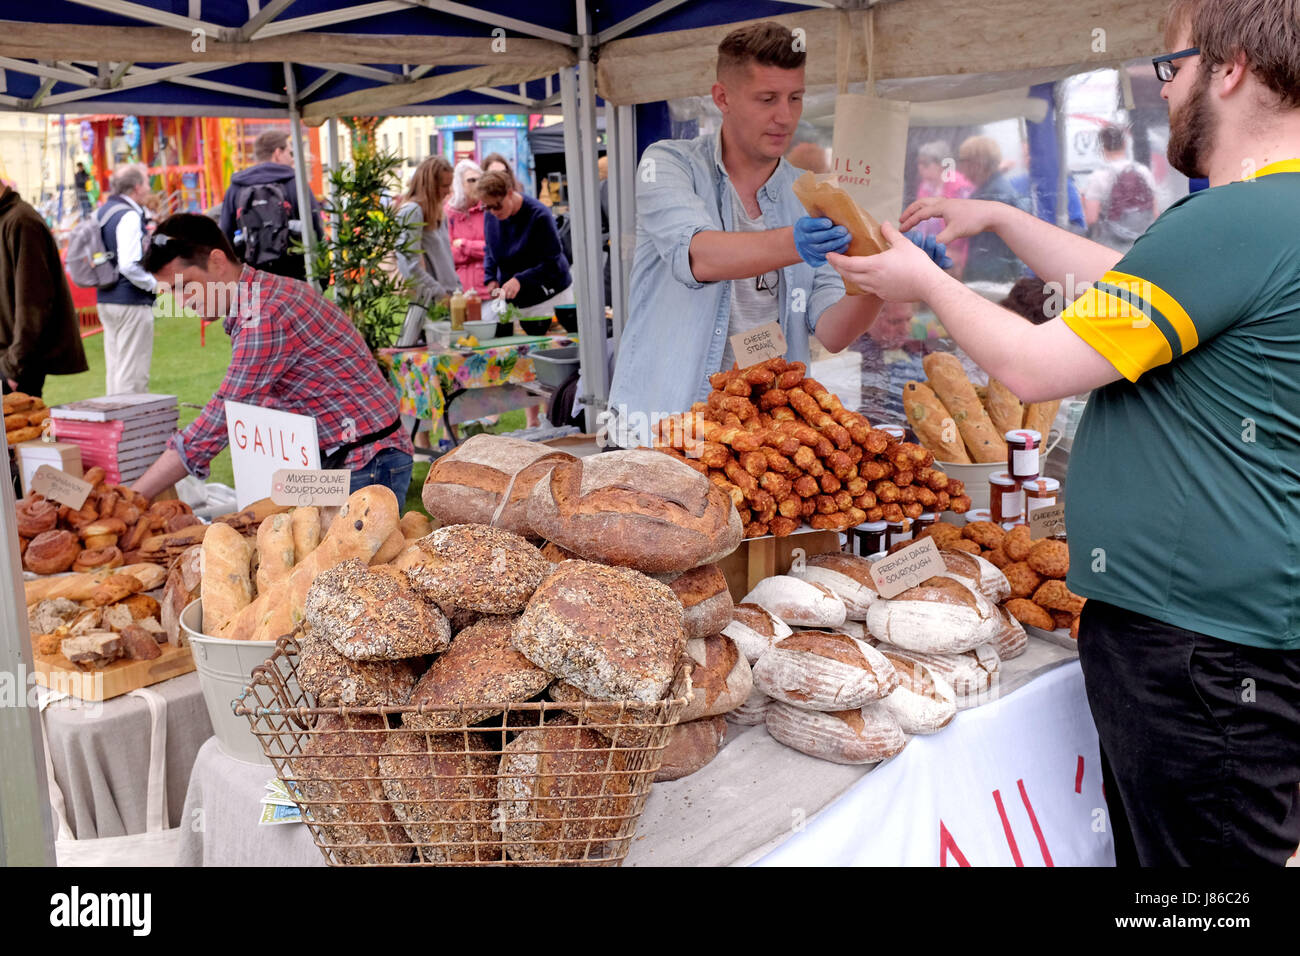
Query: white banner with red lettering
x=1016, y=782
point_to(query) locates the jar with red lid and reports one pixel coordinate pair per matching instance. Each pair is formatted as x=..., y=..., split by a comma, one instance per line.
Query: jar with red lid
x=1023, y=446
x=1006, y=501
x=1040, y=493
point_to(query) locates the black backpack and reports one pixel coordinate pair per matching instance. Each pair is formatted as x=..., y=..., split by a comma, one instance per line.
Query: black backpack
x=262, y=216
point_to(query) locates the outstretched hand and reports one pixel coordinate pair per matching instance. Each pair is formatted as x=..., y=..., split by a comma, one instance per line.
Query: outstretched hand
x=961, y=217
x=902, y=273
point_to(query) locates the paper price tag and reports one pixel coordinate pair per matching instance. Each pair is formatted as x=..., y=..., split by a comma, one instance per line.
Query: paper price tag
x=319, y=487
x=907, y=568
x=758, y=344
x=55, y=485
x=1045, y=522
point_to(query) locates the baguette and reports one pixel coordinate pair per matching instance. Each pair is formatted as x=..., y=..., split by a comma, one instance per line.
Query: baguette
x=305, y=525
x=1040, y=415
x=358, y=530
x=929, y=419
x=81, y=586
x=1004, y=408
x=827, y=199
x=227, y=586
x=949, y=381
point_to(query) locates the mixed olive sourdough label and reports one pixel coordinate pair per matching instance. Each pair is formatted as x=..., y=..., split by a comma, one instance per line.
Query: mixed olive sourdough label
x=55, y=485
x=1046, y=522
x=319, y=487
x=907, y=568
x=758, y=344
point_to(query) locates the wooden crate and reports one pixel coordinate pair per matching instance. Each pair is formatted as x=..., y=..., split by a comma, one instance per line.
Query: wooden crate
x=759, y=558
x=118, y=678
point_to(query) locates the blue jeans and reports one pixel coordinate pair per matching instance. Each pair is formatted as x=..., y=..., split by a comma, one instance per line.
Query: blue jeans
x=391, y=468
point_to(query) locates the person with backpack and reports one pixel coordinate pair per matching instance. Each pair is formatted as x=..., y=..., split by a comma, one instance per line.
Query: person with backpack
x=39, y=335
x=126, y=303
x=259, y=214
x=1119, y=199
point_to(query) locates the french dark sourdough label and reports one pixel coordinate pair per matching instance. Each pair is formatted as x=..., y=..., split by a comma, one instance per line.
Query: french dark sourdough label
x=907, y=568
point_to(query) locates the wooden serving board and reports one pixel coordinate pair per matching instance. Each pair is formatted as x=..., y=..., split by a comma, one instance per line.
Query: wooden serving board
x=118, y=678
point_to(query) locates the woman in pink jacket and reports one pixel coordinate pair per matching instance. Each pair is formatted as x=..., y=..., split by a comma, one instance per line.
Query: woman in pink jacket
x=465, y=222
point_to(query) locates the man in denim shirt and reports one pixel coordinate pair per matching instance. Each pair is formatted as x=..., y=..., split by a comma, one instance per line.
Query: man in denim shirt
x=723, y=245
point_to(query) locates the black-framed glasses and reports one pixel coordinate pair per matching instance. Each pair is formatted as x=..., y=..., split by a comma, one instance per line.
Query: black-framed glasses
x=766, y=282
x=1164, y=64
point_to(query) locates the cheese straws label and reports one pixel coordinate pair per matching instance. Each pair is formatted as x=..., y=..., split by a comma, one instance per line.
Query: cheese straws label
x=55, y=485
x=767, y=341
x=319, y=487
x=907, y=568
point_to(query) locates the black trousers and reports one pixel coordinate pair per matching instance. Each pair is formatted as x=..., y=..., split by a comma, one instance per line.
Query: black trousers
x=1200, y=742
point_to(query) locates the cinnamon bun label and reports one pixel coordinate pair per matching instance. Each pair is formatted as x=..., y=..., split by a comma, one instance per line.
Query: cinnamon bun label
x=55, y=485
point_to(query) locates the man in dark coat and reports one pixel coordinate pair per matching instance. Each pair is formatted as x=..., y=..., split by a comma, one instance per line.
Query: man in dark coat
x=39, y=335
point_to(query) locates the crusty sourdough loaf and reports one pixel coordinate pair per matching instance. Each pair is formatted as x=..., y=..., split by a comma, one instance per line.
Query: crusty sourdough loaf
x=977, y=573
x=443, y=790
x=923, y=702
x=798, y=602
x=611, y=632
x=817, y=670
x=487, y=480
x=482, y=666
x=692, y=745
x=755, y=630
x=705, y=598
x=847, y=576
x=562, y=792
x=334, y=679
x=637, y=509
x=859, y=735
x=184, y=580
x=475, y=567
x=1012, y=639
x=938, y=616
x=971, y=674
x=337, y=772
x=227, y=586
x=720, y=677
x=372, y=614
x=752, y=711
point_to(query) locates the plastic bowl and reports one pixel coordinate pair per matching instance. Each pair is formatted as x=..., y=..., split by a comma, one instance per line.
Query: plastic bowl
x=536, y=326
x=568, y=316
x=483, y=329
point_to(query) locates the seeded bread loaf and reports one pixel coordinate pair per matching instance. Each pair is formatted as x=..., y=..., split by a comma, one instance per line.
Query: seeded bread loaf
x=637, y=509
x=443, y=790
x=611, y=632
x=334, y=679
x=373, y=614
x=487, y=480
x=555, y=781
x=482, y=666
x=475, y=567
x=817, y=670
x=623, y=723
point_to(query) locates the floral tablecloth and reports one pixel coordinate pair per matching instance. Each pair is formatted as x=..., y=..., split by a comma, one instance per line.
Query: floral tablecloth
x=425, y=377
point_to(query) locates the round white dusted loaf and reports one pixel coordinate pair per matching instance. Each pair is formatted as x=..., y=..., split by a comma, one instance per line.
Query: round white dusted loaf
x=847, y=576
x=972, y=674
x=938, y=616
x=720, y=677
x=923, y=702
x=752, y=711
x=818, y=670
x=1011, y=640
x=797, y=602
x=755, y=629
x=978, y=574
x=861, y=735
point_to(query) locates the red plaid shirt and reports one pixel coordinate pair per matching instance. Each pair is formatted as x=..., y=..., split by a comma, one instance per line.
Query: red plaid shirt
x=294, y=350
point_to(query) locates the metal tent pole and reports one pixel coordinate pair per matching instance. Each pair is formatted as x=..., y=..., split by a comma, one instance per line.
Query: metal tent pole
x=26, y=828
x=614, y=150
x=300, y=172
x=625, y=120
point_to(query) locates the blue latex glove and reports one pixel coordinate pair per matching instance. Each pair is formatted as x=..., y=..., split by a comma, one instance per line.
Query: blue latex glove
x=813, y=238
x=937, y=251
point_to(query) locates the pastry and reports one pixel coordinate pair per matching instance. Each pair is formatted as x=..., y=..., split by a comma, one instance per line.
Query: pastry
x=1050, y=558
x=91, y=559
x=1023, y=579
x=51, y=552
x=36, y=516
x=1029, y=613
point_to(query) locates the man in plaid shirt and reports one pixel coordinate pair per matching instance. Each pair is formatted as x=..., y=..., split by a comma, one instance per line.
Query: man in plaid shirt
x=291, y=349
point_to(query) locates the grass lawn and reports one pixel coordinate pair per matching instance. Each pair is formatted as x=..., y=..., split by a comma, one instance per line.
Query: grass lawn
x=192, y=373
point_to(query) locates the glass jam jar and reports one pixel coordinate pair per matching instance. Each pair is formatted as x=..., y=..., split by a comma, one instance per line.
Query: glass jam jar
x=1023, y=446
x=925, y=519
x=978, y=514
x=898, y=531
x=869, y=537
x=1040, y=493
x=1006, y=501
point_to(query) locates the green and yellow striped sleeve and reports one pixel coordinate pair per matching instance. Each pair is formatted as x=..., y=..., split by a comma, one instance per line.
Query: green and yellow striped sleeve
x=1132, y=322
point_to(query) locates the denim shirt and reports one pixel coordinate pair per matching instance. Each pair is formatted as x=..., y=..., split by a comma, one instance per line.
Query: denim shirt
x=677, y=326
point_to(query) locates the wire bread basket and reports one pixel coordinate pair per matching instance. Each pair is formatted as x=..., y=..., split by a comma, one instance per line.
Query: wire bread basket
x=552, y=783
